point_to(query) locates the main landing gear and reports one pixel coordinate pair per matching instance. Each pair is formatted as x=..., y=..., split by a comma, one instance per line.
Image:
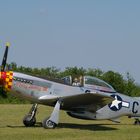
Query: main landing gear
x=53, y=120
x=29, y=120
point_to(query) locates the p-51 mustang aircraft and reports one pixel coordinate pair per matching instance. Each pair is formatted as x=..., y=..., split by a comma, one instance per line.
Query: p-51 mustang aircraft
x=89, y=98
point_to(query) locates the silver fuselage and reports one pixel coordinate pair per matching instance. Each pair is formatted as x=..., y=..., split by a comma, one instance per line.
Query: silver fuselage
x=47, y=92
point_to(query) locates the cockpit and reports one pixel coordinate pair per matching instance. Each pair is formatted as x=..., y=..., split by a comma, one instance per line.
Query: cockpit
x=90, y=82
x=97, y=84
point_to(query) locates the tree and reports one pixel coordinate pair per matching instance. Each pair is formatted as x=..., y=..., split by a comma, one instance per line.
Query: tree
x=130, y=86
x=12, y=66
x=50, y=72
x=94, y=72
x=126, y=86
x=115, y=79
x=73, y=71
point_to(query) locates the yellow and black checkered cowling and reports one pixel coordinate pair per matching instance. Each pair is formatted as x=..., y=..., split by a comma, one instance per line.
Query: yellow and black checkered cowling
x=6, y=79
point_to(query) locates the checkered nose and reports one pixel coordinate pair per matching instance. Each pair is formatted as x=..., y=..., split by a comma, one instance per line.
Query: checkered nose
x=6, y=79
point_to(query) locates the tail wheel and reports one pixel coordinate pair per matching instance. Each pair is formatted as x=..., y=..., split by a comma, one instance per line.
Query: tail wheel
x=137, y=122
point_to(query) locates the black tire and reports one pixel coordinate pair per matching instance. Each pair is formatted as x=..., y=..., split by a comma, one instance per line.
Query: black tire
x=48, y=124
x=87, y=91
x=137, y=122
x=28, y=121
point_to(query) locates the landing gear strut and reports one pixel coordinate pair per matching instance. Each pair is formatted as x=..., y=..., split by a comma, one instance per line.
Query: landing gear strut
x=53, y=120
x=29, y=119
x=137, y=122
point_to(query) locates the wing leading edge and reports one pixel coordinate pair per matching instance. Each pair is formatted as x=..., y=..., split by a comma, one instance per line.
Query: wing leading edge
x=90, y=101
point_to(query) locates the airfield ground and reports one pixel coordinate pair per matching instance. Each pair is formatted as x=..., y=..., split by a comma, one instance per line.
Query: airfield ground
x=11, y=127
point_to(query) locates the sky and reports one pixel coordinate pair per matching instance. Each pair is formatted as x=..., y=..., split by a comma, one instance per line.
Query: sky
x=101, y=34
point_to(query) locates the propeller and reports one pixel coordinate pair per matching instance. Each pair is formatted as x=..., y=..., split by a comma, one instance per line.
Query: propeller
x=3, y=65
x=2, y=71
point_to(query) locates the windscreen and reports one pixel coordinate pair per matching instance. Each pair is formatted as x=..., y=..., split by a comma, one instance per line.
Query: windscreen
x=98, y=84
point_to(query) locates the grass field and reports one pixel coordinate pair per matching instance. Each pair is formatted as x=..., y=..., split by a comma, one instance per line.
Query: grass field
x=11, y=127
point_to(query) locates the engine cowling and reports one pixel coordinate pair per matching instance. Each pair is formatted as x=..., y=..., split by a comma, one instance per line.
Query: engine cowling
x=6, y=80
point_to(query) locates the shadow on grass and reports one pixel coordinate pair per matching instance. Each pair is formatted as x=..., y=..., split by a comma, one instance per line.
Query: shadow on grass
x=38, y=124
x=91, y=127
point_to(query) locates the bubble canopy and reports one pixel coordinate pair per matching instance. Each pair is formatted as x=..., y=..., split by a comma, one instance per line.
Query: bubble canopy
x=97, y=84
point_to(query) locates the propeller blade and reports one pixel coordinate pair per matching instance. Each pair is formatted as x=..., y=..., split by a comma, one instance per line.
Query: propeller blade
x=2, y=68
x=3, y=65
x=2, y=92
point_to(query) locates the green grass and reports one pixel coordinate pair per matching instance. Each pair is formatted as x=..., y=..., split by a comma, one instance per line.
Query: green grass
x=11, y=127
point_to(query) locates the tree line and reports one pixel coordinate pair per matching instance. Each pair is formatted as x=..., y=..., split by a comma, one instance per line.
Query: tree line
x=124, y=84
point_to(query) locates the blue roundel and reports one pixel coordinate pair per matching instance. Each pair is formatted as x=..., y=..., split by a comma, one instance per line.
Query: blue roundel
x=116, y=104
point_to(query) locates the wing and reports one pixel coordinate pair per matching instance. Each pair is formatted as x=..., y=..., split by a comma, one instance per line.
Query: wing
x=92, y=101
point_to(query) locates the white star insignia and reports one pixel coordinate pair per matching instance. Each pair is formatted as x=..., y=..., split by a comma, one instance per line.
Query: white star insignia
x=116, y=103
